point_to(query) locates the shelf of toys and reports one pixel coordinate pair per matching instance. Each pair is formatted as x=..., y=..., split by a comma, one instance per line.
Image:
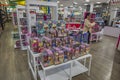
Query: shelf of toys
x=56, y=48
x=22, y=26
x=15, y=33
x=47, y=40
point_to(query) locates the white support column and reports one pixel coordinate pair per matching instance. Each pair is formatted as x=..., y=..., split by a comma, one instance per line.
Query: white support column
x=65, y=12
x=91, y=7
x=113, y=14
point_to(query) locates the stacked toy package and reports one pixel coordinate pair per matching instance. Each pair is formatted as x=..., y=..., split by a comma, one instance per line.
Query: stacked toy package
x=55, y=44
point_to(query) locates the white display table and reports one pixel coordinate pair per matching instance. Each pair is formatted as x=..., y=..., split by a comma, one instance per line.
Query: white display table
x=62, y=71
x=111, y=31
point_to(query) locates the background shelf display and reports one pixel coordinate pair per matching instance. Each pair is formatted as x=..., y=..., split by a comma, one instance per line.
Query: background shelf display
x=22, y=26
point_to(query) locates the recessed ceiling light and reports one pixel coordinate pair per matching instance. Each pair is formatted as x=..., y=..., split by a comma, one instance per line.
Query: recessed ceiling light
x=98, y=2
x=58, y=1
x=85, y=4
x=87, y=0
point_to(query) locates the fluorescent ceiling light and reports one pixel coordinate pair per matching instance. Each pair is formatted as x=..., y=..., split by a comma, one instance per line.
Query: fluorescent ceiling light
x=98, y=2
x=58, y=1
x=85, y=4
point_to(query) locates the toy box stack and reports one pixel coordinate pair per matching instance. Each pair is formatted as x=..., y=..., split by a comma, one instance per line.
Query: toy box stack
x=55, y=44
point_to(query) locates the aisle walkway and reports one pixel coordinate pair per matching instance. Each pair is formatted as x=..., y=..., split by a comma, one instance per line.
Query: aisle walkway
x=13, y=63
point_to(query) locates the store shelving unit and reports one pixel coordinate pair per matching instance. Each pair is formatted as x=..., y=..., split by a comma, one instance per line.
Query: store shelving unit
x=20, y=17
x=15, y=33
x=32, y=3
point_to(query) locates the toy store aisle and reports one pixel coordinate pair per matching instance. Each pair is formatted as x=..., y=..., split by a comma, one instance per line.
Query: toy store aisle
x=13, y=62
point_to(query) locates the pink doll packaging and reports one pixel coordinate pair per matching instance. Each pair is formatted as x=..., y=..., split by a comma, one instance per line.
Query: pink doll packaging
x=47, y=42
x=24, y=30
x=50, y=57
x=83, y=49
x=56, y=56
x=68, y=52
x=87, y=47
x=34, y=44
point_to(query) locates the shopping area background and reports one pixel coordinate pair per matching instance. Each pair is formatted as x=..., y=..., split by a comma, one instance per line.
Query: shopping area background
x=58, y=39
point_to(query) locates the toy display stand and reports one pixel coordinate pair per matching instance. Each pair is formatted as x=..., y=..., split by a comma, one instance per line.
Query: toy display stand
x=15, y=33
x=66, y=70
x=63, y=71
x=32, y=62
x=111, y=31
x=98, y=35
x=20, y=15
x=30, y=3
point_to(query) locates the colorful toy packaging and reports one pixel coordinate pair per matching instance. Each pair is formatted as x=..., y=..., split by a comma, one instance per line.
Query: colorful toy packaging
x=59, y=55
x=34, y=31
x=54, y=42
x=40, y=46
x=34, y=44
x=24, y=30
x=87, y=46
x=58, y=42
x=40, y=28
x=83, y=49
x=47, y=42
x=67, y=54
x=48, y=58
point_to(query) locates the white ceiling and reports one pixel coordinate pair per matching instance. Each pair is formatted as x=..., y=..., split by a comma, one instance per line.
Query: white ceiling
x=80, y=2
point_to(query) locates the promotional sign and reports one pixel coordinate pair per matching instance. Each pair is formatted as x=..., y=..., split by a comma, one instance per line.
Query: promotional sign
x=73, y=25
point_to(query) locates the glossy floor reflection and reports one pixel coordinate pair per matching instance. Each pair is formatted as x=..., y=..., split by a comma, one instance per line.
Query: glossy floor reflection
x=14, y=66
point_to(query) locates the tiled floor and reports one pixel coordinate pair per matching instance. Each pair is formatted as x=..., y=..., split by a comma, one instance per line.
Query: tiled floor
x=14, y=66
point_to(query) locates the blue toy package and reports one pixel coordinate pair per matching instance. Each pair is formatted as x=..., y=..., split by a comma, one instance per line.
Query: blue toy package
x=85, y=37
x=80, y=36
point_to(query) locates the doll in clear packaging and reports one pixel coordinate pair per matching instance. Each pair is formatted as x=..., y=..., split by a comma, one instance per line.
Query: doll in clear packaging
x=87, y=46
x=46, y=30
x=45, y=59
x=73, y=53
x=57, y=58
x=40, y=46
x=54, y=30
x=77, y=52
x=61, y=56
x=50, y=57
x=83, y=52
x=65, y=56
x=34, y=44
x=57, y=41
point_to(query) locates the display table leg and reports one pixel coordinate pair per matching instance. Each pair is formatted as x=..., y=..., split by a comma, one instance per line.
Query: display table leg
x=85, y=62
x=35, y=70
x=89, y=66
x=44, y=74
x=71, y=70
